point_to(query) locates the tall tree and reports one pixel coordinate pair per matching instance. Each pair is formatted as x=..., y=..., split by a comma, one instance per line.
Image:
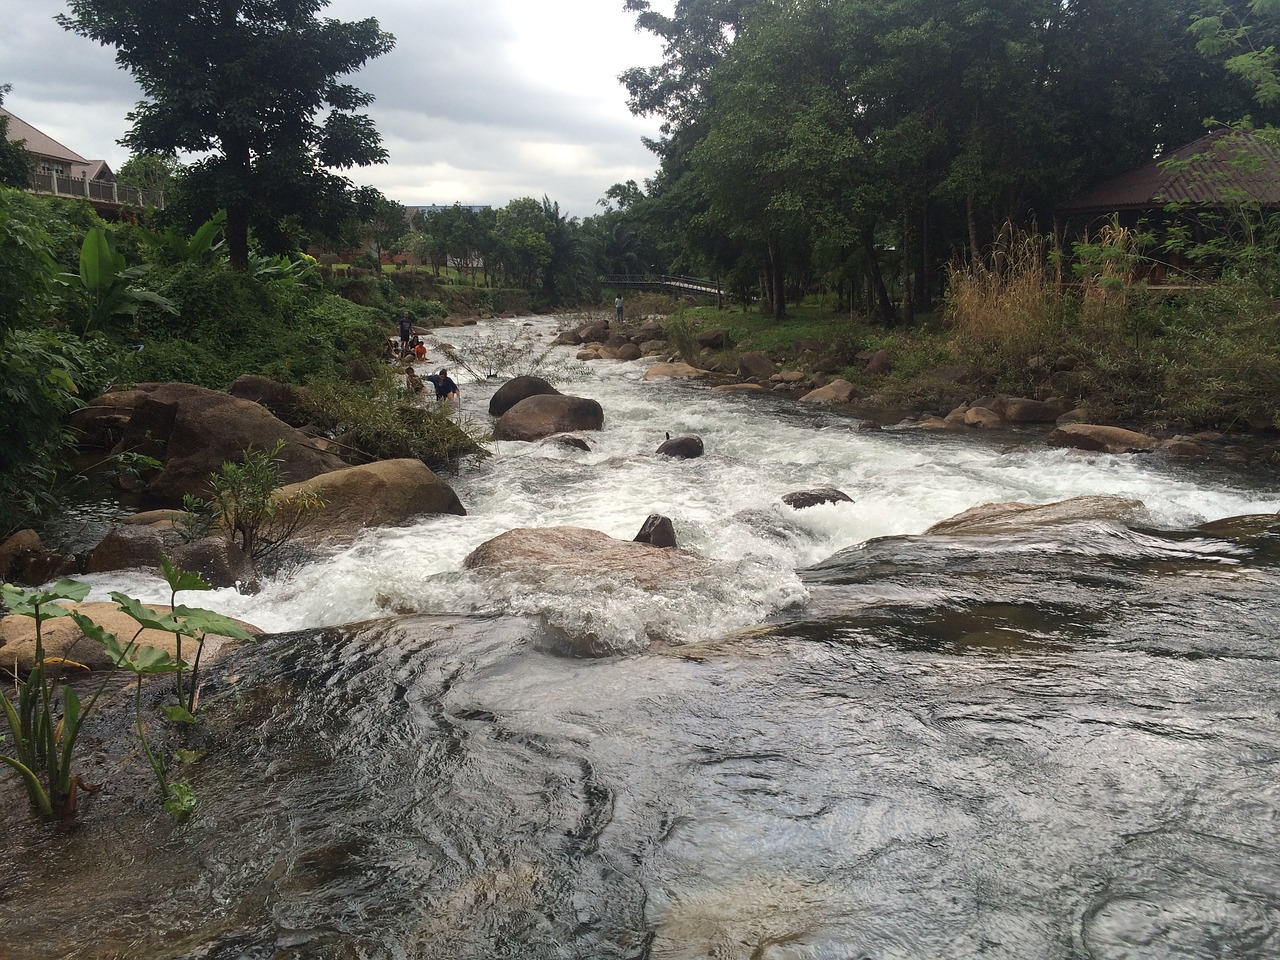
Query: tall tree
x=253, y=83
x=15, y=162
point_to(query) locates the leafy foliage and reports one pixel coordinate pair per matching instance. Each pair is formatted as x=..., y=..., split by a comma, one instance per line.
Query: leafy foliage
x=255, y=87
x=381, y=421
x=246, y=505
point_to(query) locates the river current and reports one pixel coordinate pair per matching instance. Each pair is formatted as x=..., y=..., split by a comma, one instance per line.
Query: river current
x=844, y=739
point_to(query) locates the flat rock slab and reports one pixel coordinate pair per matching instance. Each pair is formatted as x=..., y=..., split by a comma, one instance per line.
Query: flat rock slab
x=1011, y=517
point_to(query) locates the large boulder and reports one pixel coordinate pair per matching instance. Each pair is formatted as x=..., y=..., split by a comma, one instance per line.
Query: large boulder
x=101, y=423
x=673, y=371
x=837, y=391
x=517, y=389
x=387, y=493
x=282, y=399
x=1100, y=438
x=1011, y=517
x=534, y=552
x=192, y=431
x=540, y=416
x=24, y=559
x=755, y=365
x=62, y=638
x=217, y=559
x=1026, y=410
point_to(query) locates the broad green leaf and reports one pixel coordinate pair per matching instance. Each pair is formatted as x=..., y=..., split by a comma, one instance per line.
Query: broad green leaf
x=148, y=618
x=179, y=579
x=178, y=714
x=198, y=620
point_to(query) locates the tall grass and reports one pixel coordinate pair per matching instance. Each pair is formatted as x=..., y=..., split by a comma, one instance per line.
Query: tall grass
x=1008, y=304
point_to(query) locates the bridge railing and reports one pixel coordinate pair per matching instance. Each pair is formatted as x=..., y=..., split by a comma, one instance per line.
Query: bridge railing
x=655, y=281
x=97, y=191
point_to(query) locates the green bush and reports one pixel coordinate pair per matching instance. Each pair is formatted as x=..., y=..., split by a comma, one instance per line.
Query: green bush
x=43, y=375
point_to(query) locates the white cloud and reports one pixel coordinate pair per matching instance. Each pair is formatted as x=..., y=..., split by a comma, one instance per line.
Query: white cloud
x=481, y=101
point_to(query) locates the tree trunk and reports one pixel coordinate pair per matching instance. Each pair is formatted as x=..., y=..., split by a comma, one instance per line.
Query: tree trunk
x=884, y=310
x=777, y=283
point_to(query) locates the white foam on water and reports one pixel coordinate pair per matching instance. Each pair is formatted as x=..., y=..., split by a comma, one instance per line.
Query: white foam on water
x=725, y=506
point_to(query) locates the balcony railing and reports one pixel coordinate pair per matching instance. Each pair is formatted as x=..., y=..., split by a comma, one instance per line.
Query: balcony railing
x=95, y=191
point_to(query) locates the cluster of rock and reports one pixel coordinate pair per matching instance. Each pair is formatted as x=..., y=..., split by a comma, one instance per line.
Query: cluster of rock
x=187, y=433
x=811, y=379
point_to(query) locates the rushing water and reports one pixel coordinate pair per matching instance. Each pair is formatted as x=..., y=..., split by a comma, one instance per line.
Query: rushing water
x=843, y=740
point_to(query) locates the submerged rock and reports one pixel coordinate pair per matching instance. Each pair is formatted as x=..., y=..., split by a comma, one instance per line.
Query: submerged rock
x=1008, y=517
x=682, y=448
x=811, y=498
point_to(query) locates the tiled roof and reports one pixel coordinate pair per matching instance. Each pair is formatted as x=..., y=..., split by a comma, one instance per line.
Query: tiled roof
x=1222, y=165
x=39, y=143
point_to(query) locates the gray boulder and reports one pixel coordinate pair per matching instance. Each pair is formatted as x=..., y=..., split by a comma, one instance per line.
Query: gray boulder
x=682, y=448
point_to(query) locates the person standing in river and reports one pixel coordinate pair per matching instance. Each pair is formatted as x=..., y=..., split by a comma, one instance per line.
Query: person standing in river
x=406, y=332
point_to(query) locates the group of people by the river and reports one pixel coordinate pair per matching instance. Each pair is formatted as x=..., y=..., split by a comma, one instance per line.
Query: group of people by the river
x=412, y=346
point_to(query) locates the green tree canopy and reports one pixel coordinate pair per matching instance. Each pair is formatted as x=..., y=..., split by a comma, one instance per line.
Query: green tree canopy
x=254, y=85
x=15, y=162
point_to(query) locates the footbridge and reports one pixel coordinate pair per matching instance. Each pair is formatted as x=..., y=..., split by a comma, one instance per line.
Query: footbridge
x=672, y=284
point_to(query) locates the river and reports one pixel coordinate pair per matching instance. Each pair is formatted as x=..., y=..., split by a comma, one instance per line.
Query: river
x=844, y=739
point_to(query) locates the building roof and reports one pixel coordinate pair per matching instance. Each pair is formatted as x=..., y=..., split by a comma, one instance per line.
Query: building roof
x=1225, y=165
x=41, y=144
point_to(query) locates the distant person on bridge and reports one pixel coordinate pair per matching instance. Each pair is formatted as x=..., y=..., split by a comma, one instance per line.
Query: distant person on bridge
x=617, y=308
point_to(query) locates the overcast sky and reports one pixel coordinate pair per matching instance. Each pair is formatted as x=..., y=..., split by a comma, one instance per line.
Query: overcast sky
x=481, y=101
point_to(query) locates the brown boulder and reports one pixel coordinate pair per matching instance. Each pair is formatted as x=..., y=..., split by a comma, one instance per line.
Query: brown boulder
x=1100, y=439
x=672, y=370
x=837, y=391
x=282, y=399
x=982, y=417
x=62, y=638
x=536, y=417
x=192, y=431
x=879, y=363
x=629, y=351
x=711, y=339
x=755, y=365
x=387, y=493
x=24, y=559
x=217, y=559
x=1024, y=410
x=517, y=389
x=101, y=422
x=1010, y=517
x=534, y=552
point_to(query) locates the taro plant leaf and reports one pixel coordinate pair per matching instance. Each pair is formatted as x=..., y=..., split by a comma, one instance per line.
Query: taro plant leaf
x=132, y=657
x=149, y=618
x=200, y=621
x=179, y=579
x=40, y=605
x=178, y=714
